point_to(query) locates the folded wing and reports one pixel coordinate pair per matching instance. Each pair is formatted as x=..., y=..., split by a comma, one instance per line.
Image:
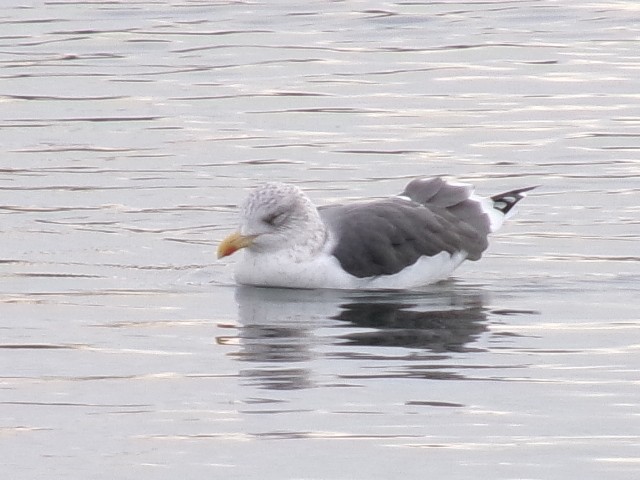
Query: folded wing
x=431, y=216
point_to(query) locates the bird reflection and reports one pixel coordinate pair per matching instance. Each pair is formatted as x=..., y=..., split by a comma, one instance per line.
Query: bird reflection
x=284, y=330
x=400, y=324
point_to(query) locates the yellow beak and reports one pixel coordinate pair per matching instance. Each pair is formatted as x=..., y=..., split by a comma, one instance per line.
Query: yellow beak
x=233, y=243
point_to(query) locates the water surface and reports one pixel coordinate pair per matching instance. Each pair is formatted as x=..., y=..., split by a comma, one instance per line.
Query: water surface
x=130, y=133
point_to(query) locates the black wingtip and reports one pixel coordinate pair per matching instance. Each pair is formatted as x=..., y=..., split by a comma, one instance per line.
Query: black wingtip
x=504, y=202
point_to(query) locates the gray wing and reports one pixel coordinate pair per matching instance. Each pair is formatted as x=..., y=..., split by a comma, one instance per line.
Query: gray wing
x=384, y=236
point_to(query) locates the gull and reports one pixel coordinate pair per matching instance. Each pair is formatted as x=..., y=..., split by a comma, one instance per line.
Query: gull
x=404, y=241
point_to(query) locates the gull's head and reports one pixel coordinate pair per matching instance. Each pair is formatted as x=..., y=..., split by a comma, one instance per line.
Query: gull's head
x=274, y=216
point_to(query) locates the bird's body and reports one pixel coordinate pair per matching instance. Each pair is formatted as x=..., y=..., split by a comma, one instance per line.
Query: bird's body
x=401, y=242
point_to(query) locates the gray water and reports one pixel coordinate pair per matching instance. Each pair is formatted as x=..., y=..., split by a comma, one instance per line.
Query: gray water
x=131, y=130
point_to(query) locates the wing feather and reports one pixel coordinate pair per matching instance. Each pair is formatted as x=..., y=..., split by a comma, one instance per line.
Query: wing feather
x=383, y=237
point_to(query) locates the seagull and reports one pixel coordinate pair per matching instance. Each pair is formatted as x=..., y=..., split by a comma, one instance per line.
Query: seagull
x=404, y=241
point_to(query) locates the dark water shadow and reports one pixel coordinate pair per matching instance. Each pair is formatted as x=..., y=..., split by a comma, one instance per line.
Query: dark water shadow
x=282, y=331
x=433, y=322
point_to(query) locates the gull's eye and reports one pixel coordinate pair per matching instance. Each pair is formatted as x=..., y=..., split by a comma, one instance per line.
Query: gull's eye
x=274, y=219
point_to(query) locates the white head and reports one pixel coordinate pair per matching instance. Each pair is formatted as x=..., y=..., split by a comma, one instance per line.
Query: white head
x=276, y=216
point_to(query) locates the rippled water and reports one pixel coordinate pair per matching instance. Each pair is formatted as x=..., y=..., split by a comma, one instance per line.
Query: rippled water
x=131, y=130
